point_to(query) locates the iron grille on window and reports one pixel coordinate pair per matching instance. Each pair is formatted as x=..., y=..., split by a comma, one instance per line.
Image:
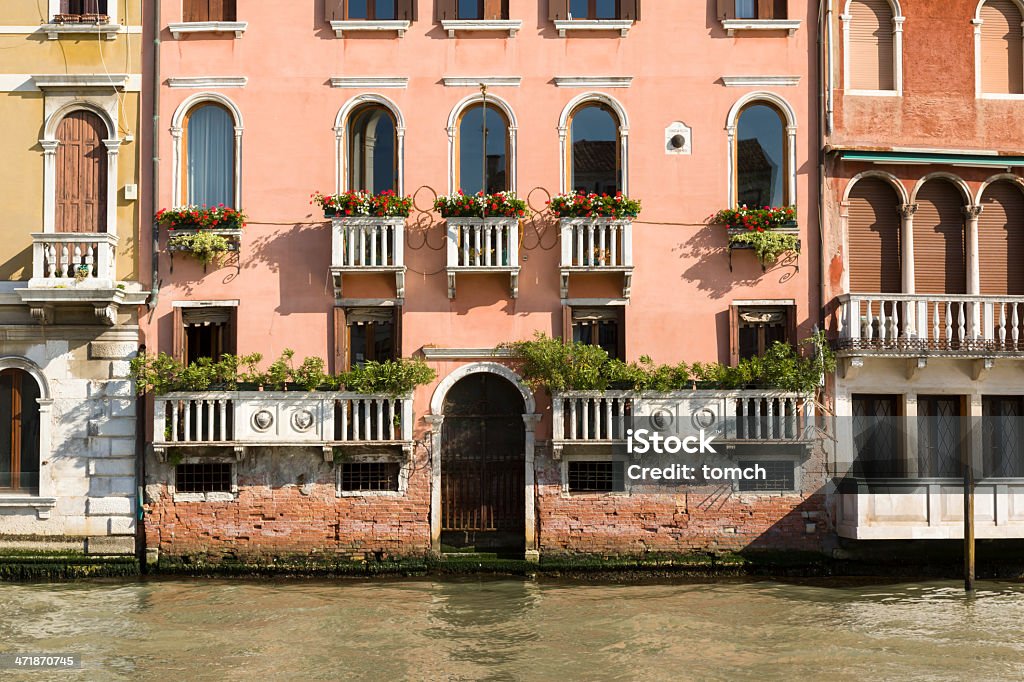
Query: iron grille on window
x=207, y=477
x=367, y=476
x=781, y=475
x=595, y=476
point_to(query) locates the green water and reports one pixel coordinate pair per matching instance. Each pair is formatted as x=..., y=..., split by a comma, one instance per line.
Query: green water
x=502, y=629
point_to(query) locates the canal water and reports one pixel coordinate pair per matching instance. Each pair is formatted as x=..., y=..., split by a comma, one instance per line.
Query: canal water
x=510, y=629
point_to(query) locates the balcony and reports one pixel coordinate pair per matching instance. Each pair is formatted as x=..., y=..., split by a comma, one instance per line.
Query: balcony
x=81, y=24
x=73, y=268
x=483, y=246
x=930, y=324
x=243, y=419
x=917, y=509
x=597, y=245
x=586, y=418
x=368, y=245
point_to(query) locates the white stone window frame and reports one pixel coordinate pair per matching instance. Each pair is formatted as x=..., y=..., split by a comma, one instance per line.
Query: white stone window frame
x=53, y=8
x=627, y=485
x=978, y=22
x=622, y=26
x=791, y=128
x=63, y=95
x=177, y=133
x=512, y=26
x=341, y=126
x=790, y=26
x=798, y=474
x=404, y=470
x=897, y=52
x=565, y=121
x=204, y=497
x=455, y=117
x=45, y=500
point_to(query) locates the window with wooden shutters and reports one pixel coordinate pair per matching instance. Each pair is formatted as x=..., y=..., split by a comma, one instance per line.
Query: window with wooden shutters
x=83, y=10
x=1002, y=48
x=478, y=9
x=871, y=46
x=940, y=265
x=370, y=10
x=365, y=334
x=205, y=332
x=1001, y=240
x=602, y=326
x=209, y=10
x=875, y=259
x=19, y=431
x=755, y=328
x=81, y=184
x=754, y=9
x=559, y=10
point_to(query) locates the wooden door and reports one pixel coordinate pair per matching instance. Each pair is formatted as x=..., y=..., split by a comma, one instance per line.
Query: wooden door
x=81, y=183
x=483, y=461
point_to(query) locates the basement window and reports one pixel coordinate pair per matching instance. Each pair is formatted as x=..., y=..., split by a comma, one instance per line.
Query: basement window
x=203, y=477
x=369, y=476
x=781, y=476
x=596, y=476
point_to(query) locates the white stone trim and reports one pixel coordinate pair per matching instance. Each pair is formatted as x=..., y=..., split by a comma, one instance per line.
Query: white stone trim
x=341, y=144
x=790, y=196
x=978, y=22
x=621, y=25
x=362, y=25
x=563, y=134
x=46, y=28
x=733, y=25
x=437, y=398
x=900, y=188
x=177, y=121
x=760, y=81
x=26, y=82
x=577, y=455
x=1000, y=177
x=897, y=52
x=370, y=82
x=177, y=29
x=453, y=25
x=232, y=303
x=955, y=180
x=593, y=81
x=208, y=82
x=477, y=81
x=431, y=353
x=453, y=131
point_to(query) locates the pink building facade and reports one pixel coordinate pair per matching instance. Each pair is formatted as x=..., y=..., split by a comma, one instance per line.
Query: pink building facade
x=690, y=107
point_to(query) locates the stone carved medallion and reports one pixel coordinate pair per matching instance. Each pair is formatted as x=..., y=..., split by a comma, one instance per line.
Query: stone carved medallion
x=302, y=420
x=704, y=418
x=262, y=420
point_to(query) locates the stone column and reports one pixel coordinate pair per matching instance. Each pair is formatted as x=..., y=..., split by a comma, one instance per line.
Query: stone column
x=907, y=212
x=436, y=421
x=971, y=215
x=530, y=517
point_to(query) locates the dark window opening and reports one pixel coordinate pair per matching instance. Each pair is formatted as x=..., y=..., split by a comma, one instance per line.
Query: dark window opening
x=780, y=476
x=205, y=477
x=599, y=327
x=209, y=10
x=19, y=431
x=1002, y=429
x=760, y=157
x=593, y=9
x=478, y=171
x=369, y=476
x=596, y=476
x=482, y=9
x=373, y=150
x=594, y=156
x=371, y=10
x=877, y=447
x=940, y=444
x=759, y=327
x=209, y=333
x=371, y=336
x=82, y=10
x=758, y=9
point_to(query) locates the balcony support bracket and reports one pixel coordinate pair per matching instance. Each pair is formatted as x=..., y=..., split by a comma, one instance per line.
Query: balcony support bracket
x=914, y=365
x=980, y=368
x=328, y=454
x=514, y=283
x=43, y=314
x=451, y=284
x=851, y=366
x=556, y=451
x=107, y=314
x=240, y=452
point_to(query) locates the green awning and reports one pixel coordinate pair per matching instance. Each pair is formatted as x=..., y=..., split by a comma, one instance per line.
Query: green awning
x=978, y=160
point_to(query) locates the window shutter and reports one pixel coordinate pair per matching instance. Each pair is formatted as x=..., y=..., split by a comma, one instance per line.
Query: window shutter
x=495, y=9
x=81, y=173
x=398, y=332
x=566, y=324
x=766, y=9
x=1000, y=242
x=780, y=11
x=230, y=335
x=340, y=341
x=446, y=9
x=406, y=9
x=791, y=325
x=734, y=335
x=726, y=9
x=874, y=238
x=629, y=9
x=177, y=334
x=1002, y=48
x=871, y=46
x=621, y=336
x=558, y=9
x=334, y=10
x=939, y=263
x=227, y=10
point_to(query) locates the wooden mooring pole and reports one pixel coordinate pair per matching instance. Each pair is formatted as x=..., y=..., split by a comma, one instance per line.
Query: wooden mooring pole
x=968, y=528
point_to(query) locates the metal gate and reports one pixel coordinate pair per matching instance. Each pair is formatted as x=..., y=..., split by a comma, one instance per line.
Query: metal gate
x=482, y=466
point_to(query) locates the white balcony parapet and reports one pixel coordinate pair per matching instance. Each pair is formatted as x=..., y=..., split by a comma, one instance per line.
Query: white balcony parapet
x=368, y=245
x=239, y=419
x=595, y=245
x=918, y=323
x=483, y=245
x=761, y=416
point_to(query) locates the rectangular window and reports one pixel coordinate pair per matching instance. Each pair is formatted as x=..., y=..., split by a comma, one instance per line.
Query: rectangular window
x=209, y=10
x=371, y=335
x=600, y=327
x=594, y=9
x=206, y=332
x=752, y=9
x=204, y=477
x=877, y=442
x=781, y=476
x=602, y=476
x=369, y=476
x=940, y=445
x=83, y=9
x=371, y=10
x=482, y=9
x=755, y=328
x=1003, y=432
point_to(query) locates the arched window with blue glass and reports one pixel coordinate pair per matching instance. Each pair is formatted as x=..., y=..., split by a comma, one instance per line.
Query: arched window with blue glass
x=481, y=127
x=761, y=157
x=209, y=167
x=594, y=154
x=372, y=150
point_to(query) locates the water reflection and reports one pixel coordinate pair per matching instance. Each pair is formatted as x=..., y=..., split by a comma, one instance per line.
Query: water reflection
x=500, y=629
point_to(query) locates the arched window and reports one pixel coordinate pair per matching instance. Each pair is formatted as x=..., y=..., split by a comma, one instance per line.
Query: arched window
x=81, y=185
x=209, y=163
x=871, y=45
x=1002, y=48
x=477, y=170
x=761, y=157
x=940, y=263
x=594, y=157
x=372, y=150
x=1001, y=240
x=19, y=431
x=874, y=238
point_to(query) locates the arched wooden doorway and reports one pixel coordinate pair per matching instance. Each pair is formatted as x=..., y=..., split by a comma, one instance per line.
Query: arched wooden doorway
x=483, y=458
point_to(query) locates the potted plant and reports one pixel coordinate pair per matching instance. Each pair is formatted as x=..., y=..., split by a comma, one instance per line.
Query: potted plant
x=591, y=205
x=769, y=231
x=219, y=217
x=355, y=204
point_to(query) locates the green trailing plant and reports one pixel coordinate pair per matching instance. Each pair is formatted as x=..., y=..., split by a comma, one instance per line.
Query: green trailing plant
x=205, y=246
x=394, y=378
x=767, y=245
